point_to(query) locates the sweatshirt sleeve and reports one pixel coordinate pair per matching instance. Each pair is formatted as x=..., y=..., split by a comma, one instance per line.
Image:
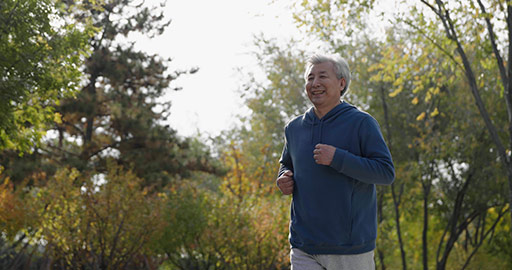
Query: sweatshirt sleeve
x=375, y=165
x=285, y=160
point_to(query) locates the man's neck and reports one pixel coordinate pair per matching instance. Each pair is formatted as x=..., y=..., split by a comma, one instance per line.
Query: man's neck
x=322, y=111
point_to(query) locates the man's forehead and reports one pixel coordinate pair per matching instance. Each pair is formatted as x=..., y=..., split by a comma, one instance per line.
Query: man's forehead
x=324, y=67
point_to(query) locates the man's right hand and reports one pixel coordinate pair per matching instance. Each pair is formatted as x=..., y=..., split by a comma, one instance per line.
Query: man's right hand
x=285, y=182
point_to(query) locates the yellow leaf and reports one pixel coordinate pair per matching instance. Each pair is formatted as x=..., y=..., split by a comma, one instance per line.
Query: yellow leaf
x=421, y=116
x=428, y=96
x=434, y=113
x=398, y=81
x=375, y=78
x=57, y=117
x=418, y=87
x=415, y=101
x=396, y=92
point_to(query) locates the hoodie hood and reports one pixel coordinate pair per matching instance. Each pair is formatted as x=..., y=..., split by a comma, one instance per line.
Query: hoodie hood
x=317, y=125
x=311, y=118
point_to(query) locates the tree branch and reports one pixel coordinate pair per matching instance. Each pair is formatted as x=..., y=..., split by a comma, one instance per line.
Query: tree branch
x=451, y=34
x=431, y=7
x=492, y=37
x=444, y=18
x=435, y=44
x=501, y=214
x=451, y=226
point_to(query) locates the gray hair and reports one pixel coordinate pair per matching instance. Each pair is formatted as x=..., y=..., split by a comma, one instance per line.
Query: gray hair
x=341, y=68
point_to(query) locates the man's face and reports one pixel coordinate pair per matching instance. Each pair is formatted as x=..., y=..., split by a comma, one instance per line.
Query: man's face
x=322, y=86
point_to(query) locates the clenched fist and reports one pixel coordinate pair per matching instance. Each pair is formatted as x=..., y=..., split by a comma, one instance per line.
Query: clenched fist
x=323, y=154
x=285, y=182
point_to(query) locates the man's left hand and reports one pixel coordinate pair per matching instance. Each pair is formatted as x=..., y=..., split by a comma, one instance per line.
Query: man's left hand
x=323, y=154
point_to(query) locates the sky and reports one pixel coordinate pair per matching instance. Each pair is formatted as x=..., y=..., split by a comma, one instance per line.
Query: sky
x=217, y=37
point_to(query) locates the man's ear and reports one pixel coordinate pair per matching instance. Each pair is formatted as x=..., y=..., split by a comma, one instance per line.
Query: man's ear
x=343, y=84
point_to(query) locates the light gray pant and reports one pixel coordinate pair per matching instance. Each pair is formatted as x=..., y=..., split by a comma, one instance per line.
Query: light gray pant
x=303, y=261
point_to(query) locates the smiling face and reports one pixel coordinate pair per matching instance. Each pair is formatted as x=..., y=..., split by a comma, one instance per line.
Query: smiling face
x=323, y=87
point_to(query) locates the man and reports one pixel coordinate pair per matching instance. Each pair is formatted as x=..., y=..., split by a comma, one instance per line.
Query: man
x=333, y=157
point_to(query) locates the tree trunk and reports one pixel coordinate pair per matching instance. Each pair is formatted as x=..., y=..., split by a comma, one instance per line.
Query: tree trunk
x=396, y=204
x=424, y=238
x=396, y=199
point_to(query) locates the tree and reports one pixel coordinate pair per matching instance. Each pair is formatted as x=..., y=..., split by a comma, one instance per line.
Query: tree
x=86, y=223
x=218, y=230
x=446, y=141
x=40, y=56
x=114, y=121
x=74, y=221
x=118, y=112
x=494, y=20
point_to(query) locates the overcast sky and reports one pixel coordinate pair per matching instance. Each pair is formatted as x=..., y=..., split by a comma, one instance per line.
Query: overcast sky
x=215, y=36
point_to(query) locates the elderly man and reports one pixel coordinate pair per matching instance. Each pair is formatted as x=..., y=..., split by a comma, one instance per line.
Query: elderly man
x=333, y=157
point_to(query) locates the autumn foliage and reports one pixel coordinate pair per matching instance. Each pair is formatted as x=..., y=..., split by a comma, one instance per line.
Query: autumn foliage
x=112, y=186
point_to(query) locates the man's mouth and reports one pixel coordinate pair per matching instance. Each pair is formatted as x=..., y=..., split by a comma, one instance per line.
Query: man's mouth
x=318, y=92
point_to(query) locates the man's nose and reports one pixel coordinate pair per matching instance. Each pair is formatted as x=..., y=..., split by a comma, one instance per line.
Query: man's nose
x=316, y=82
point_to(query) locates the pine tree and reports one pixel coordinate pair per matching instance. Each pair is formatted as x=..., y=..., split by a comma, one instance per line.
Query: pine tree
x=119, y=113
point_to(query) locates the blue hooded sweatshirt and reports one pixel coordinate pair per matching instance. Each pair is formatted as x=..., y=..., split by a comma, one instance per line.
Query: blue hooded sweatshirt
x=334, y=208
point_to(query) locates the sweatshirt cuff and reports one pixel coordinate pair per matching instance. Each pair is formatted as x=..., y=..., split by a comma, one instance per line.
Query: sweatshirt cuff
x=337, y=160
